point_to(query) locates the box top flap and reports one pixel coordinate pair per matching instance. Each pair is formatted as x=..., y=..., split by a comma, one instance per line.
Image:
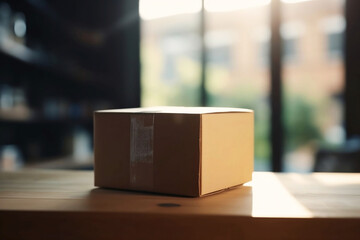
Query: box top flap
x=180, y=110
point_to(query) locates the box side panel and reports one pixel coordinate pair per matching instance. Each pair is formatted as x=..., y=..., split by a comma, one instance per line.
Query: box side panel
x=112, y=150
x=227, y=150
x=176, y=154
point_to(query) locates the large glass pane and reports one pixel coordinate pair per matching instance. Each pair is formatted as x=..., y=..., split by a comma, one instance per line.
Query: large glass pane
x=313, y=78
x=237, y=43
x=170, y=52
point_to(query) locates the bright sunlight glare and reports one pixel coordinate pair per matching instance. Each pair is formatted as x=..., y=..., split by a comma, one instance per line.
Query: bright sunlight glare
x=153, y=9
x=232, y=5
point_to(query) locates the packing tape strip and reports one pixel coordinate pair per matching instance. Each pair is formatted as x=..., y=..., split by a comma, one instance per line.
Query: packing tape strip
x=141, y=151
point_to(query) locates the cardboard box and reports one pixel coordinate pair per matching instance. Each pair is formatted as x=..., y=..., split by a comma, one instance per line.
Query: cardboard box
x=173, y=150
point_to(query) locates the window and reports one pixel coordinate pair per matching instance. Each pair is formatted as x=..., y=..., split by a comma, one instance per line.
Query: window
x=313, y=87
x=335, y=45
x=170, y=52
x=236, y=44
x=292, y=31
x=175, y=48
x=290, y=52
x=264, y=51
x=333, y=28
x=219, y=47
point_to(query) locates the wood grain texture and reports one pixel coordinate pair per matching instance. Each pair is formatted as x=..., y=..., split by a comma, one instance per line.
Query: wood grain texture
x=65, y=205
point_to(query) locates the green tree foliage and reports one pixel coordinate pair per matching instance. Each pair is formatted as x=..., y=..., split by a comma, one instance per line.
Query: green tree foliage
x=299, y=120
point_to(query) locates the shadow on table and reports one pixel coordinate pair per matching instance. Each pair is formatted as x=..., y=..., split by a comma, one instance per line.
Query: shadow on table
x=235, y=201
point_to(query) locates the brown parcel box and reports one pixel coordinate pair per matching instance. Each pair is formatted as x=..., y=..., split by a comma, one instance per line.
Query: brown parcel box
x=173, y=150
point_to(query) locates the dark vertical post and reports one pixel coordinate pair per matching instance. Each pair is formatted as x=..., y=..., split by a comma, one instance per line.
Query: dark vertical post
x=276, y=91
x=352, y=70
x=203, y=95
x=121, y=52
x=130, y=53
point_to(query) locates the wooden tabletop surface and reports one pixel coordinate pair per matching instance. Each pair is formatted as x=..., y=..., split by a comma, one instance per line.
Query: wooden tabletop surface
x=44, y=204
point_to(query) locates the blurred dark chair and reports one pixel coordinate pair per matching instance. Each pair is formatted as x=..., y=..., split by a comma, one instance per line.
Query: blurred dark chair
x=344, y=159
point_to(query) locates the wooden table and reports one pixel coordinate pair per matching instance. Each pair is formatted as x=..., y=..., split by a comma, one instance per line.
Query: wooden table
x=65, y=205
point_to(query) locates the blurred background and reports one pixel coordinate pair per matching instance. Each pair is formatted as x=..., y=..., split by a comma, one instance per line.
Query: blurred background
x=295, y=62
